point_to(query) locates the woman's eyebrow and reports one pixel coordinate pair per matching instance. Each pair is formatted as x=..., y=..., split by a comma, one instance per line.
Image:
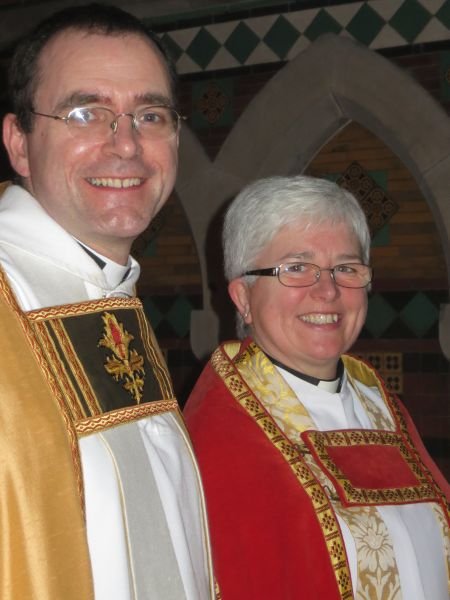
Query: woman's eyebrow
x=308, y=256
x=298, y=256
x=346, y=257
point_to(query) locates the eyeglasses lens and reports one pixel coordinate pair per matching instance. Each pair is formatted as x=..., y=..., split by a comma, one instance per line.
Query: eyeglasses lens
x=306, y=274
x=153, y=122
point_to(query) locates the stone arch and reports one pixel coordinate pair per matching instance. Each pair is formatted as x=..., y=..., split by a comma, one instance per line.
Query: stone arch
x=333, y=82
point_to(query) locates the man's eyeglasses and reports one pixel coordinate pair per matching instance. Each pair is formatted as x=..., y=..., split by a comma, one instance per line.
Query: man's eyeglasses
x=159, y=122
x=352, y=275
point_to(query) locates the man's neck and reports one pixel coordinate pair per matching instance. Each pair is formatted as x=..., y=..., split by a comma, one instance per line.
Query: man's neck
x=119, y=254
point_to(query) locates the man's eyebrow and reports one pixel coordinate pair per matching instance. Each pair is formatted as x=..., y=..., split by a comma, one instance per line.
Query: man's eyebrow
x=154, y=98
x=84, y=99
x=80, y=99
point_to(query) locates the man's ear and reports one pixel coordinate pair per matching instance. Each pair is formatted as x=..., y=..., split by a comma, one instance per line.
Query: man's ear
x=240, y=294
x=15, y=141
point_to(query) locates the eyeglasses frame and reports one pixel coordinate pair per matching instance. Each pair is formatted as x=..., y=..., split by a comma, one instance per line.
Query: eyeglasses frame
x=275, y=272
x=115, y=123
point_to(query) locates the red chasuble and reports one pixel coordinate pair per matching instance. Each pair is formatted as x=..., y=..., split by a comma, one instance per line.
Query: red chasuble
x=274, y=533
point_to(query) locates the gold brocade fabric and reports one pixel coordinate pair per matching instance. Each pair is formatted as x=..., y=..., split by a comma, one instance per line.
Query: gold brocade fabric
x=67, y=371
x=43, y=554
x=102, y=363
x=378, y=577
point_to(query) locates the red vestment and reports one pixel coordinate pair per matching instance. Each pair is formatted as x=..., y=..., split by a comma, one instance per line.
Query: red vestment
x=268, y=540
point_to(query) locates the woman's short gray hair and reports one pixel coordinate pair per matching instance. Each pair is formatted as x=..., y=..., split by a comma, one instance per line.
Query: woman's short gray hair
x=262, y=208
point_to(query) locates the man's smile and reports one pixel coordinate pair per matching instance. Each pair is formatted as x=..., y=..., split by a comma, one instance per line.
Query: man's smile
x=115, y=182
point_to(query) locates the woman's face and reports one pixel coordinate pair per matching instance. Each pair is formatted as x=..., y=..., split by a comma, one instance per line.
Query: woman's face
x=305, y=328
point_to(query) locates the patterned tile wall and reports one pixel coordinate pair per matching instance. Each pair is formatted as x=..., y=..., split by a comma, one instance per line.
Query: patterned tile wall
x=404, y=315
x=390, y=367
x=170, y=314
x=266, y=38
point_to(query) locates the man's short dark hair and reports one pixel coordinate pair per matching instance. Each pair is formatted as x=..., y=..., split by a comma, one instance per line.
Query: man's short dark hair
x=103, y=19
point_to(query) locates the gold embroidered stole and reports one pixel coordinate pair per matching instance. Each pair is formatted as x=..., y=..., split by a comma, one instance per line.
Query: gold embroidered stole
x=101, y=361
x=263, y=393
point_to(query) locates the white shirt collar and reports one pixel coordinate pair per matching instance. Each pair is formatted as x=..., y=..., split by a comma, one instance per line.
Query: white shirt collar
x=114, y=273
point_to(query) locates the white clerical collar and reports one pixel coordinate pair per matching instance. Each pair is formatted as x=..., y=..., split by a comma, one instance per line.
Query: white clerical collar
x=330, y=385
x=114, y=273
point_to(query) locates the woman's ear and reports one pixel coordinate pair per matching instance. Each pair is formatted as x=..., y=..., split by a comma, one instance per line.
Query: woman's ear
x=240, y=294
x=15, y=141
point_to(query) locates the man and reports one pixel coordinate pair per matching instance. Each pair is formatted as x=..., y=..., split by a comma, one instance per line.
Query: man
x=93, y=139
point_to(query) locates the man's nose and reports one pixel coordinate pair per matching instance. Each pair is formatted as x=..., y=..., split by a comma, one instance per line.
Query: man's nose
x=124, y=139
x=115, y=124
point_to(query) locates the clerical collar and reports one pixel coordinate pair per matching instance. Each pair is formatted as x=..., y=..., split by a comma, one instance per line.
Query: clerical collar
x=115, y=274
x=330, y=385
x=95, y=257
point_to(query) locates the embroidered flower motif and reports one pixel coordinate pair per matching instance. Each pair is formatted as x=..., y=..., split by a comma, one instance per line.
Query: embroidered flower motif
x=380, y=588
x=125, y=364
x=372, y=538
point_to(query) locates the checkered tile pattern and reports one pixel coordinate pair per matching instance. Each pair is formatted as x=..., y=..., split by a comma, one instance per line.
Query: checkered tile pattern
x=378, y=24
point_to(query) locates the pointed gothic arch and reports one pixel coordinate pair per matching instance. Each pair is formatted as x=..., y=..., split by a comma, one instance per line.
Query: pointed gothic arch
x=333, y=82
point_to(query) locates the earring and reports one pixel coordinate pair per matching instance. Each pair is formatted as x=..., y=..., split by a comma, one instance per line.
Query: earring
x=245, y=315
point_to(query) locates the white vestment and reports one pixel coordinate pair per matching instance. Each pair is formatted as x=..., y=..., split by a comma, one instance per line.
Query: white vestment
x=140, y=479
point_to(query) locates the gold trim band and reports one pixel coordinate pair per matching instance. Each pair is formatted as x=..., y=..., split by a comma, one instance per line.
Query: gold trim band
x=124, y=415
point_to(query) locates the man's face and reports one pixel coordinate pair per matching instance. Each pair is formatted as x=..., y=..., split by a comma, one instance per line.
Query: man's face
x=105, y=193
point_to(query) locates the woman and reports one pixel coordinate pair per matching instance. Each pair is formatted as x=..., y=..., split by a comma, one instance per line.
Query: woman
x=317, y=484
